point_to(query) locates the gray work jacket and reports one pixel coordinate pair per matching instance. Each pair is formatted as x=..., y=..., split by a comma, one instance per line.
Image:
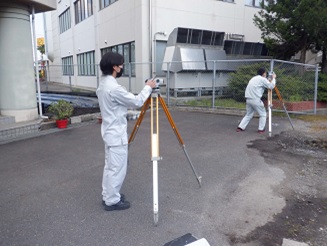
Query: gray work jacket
x=257, y=86
x=114, y=100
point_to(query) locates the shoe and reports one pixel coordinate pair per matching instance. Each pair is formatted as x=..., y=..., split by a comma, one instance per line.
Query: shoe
x=239, y=129
x=261, y=131
x=122, y=198
x=118, y=206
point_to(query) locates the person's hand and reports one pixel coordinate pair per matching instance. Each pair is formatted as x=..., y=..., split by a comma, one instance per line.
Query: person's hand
x=152, y=83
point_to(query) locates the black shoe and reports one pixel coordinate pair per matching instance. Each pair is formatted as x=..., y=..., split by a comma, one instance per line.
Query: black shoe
x=122, y=198
x=239, y=129
x=118, y=206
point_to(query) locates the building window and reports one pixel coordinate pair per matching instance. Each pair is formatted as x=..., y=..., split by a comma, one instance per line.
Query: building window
x=106, y=3
x=64, y=21
x=67, y=65
x=83, y=10
x=255, y=3
x=86, y=64
x=127, y=50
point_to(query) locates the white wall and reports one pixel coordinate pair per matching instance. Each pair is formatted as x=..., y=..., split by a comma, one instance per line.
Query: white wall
x=206, y=14
x=128, y=20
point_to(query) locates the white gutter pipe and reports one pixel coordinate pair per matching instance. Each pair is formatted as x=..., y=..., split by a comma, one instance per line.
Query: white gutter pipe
x=37, y=64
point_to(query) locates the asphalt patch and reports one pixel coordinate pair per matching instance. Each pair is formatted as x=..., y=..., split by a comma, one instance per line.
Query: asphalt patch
x=304, y=218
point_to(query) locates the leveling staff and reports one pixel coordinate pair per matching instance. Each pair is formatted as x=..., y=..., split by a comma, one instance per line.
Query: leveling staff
x=114, y=100
x=253, y=94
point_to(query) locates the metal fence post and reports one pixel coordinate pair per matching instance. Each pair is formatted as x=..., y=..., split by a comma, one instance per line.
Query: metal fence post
x=272, y=62
x=213, y=84
x=316, y=91
x=70, y=83
x=97, y=74
x=168, y=84
x=48, y=77
x=129, y=77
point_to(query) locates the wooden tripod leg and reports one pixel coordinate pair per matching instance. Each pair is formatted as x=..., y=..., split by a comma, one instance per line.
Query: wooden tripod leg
x=278, y=94
x=270, y=97
x=281, y=99
x=139, y=120
x=173, y=126
x=170, y=119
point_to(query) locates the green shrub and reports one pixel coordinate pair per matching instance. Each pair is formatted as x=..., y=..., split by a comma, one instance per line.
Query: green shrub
x=295, y=98
x=322, y=88
x=61, y=109
x=293, y=83
x=239, y=79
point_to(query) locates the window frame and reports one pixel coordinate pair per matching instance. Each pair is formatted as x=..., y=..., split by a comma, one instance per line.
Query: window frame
x=64, y=21
x=83, y=10
x=105, y=3
x=67, y=65
x=127, y=50
x=255, y=3
x=86, y=64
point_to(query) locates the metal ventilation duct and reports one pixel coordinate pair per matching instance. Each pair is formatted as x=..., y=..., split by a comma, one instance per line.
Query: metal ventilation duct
x=189, y=36
x=189, y=49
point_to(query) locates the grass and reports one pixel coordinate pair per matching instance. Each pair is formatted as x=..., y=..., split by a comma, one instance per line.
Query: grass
x=224, y=103
x=231, y=103
x=318, y=122
x=313, y=118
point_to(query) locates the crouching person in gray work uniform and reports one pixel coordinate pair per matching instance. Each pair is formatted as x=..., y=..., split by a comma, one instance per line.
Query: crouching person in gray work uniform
x=253, y=94
x=114, y=100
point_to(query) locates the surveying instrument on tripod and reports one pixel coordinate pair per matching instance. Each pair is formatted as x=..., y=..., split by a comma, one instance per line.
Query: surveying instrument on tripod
x=270, y=105
x=153, y=102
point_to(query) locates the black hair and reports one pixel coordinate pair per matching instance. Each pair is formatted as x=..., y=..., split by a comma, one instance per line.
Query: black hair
x=261, y=71
x=109, y=60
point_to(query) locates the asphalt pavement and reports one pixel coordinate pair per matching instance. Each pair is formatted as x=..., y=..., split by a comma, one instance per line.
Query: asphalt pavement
x=50, y=185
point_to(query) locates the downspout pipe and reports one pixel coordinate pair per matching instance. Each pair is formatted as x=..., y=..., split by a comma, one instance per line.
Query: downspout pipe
x=36, y=64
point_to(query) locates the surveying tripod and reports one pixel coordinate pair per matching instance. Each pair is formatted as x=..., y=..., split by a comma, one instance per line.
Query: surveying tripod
x=155, y=157
x=270, y=105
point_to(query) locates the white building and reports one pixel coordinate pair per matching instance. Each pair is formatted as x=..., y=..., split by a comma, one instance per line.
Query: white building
x=82, y=30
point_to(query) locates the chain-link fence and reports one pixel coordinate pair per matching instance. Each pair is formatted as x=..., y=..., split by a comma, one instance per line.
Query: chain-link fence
x=223, y=83
x=213, y=84
x=75, y=76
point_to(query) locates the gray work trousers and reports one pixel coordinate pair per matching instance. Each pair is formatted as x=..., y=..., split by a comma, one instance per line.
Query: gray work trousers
x=254, y=105
x=114, y=173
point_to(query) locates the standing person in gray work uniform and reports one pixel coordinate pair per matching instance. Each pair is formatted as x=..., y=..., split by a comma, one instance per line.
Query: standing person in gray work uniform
x=253, y=94
x=114, y=100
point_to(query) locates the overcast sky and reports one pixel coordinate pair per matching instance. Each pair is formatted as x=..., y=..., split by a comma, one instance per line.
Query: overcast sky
x=39, y=30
